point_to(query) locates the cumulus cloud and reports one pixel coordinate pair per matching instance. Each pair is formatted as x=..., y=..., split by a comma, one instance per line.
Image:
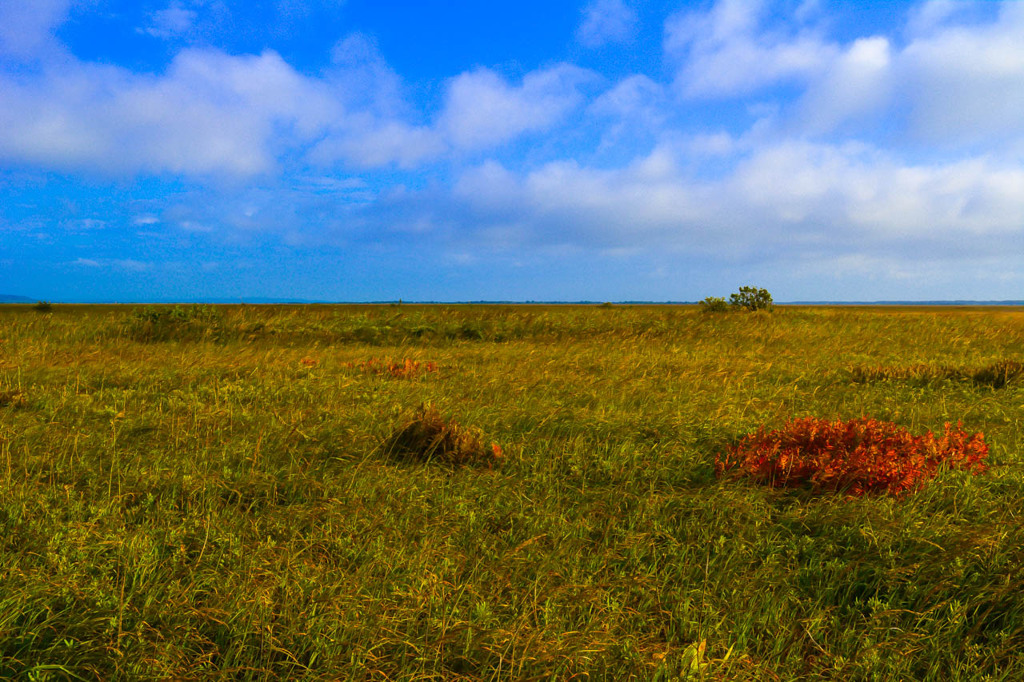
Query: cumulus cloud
x=955, y=82
x=859, y=83
x=725, y=52
x=366, y=142
x=483, y=110
x=26, y=26
x=210, y=112
x=794, y=196
x=635, y=97
x=362, y=77
x=607, y=21
x=966, y=83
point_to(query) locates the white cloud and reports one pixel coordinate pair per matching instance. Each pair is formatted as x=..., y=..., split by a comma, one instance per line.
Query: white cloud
x=483, y=110
x=632, y=112
x=362, y=77
x=932, y=15
x=374, y=133
x=26, y=26
x=951, y=86
x=724, y=52
x=125, y=264
x=607, y=21
x=209, y=113
x=955, y=83
x=214, y=113
x=635, y=97
x=795, y=197
x=366, y=142
x=966, y=84
x=171, y=22
x=858, y=84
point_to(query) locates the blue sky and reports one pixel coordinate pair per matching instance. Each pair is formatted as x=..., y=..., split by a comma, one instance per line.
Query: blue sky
x=455, y=150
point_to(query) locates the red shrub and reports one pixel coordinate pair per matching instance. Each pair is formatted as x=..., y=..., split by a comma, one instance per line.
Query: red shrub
x=856, y=456
x=399, y=369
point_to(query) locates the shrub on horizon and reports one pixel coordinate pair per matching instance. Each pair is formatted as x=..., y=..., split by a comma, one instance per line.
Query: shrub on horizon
x=857, y=456
x=714, y=304
x=751, y=298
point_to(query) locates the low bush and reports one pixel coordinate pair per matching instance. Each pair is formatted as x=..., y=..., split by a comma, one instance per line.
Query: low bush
x=714, y=304
x=856, y=456
x=428, y=437
x=43, y=307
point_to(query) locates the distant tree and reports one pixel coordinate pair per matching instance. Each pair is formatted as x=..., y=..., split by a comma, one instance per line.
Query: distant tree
x=751, y=298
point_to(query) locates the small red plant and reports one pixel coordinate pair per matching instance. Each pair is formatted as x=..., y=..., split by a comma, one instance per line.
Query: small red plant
x=404, y=369
x=857, y=456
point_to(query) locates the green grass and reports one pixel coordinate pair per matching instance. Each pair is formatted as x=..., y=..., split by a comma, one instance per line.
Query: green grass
x=205, y=494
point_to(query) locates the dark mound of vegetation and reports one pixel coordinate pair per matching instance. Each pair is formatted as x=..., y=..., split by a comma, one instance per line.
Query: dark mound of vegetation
x=997, y=375
x=429, y=437
x=191, y=323
x=12, y=399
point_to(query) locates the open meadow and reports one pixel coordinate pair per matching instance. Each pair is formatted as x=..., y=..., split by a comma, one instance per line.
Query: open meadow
x=218, y=493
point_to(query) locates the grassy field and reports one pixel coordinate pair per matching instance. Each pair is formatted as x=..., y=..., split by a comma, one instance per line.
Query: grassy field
x=205, y=493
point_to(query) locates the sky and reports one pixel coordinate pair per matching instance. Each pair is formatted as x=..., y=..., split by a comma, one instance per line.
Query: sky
x=458, y=150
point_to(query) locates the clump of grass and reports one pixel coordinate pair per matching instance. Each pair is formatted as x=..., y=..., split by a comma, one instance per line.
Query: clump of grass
x=857, y=456
x=429, y=437
x=917, y=373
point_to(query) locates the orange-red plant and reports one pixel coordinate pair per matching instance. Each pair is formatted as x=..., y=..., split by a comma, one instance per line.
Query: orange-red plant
x=404, y=369
x=856, y=456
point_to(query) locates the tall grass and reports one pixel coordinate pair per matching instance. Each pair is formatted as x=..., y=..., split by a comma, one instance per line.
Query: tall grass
x=218, y=500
